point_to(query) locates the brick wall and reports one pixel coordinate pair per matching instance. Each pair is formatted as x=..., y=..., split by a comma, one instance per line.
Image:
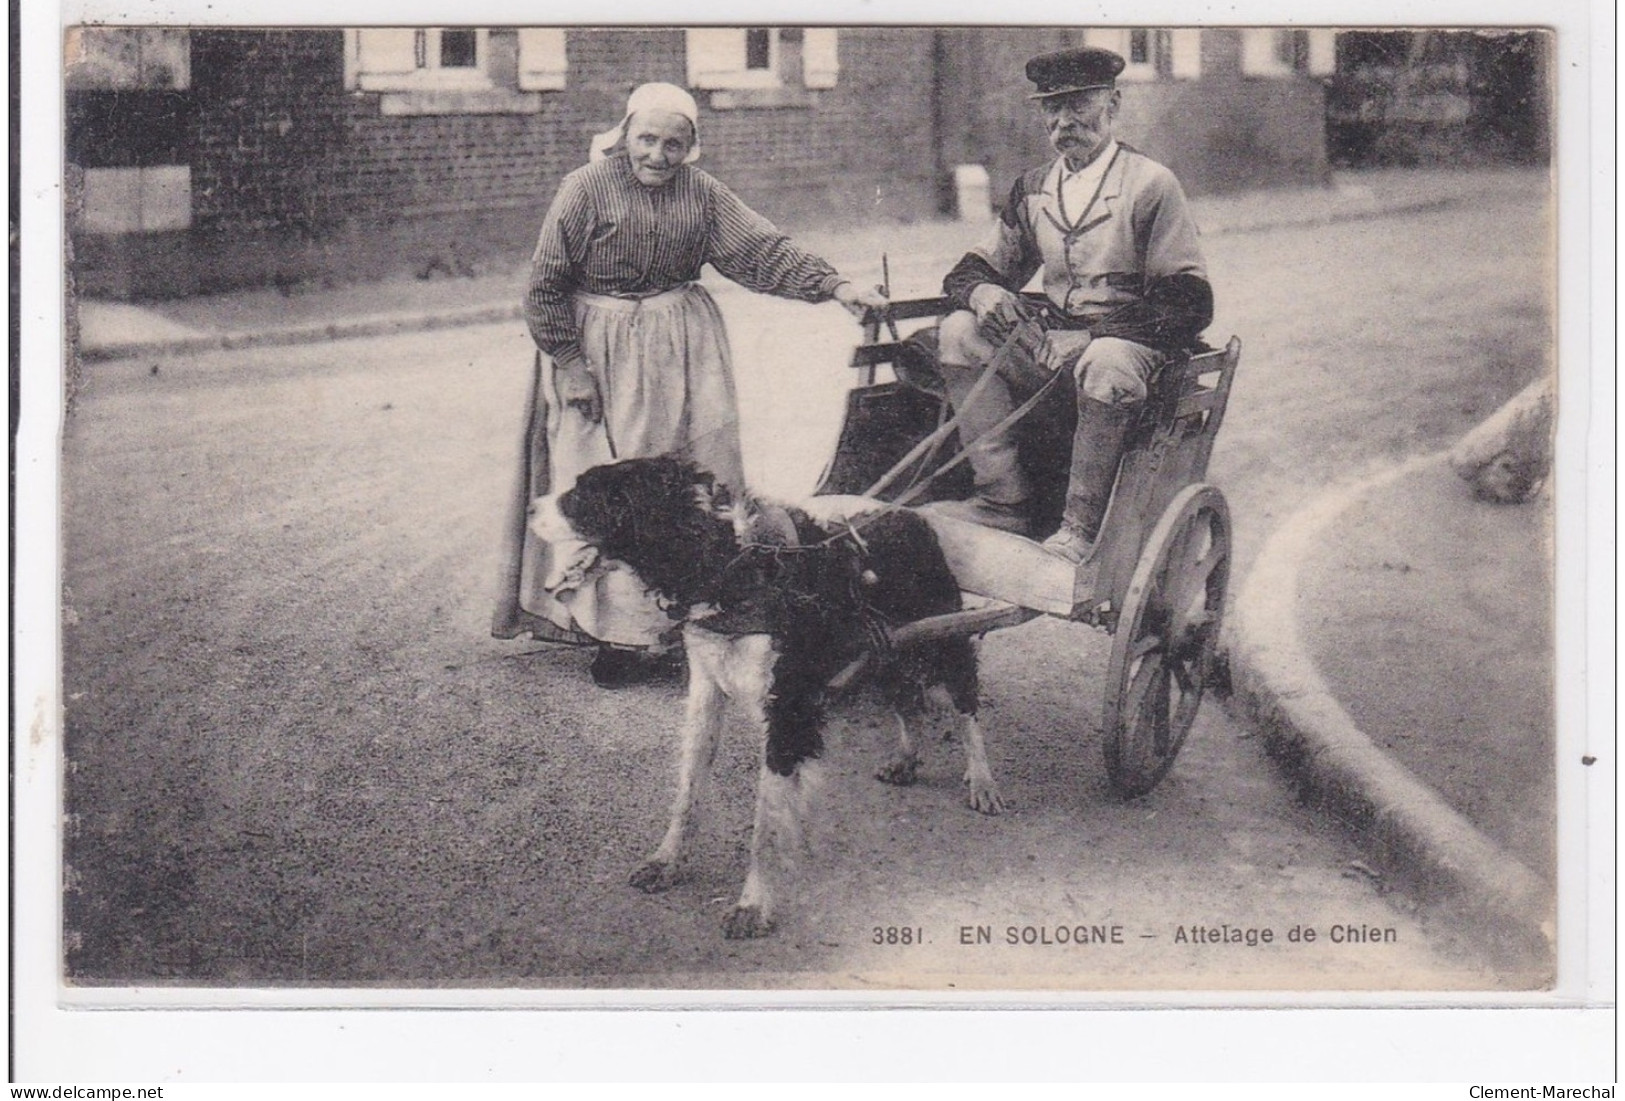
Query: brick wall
x=986, y=117
x=1220, y=133
x=1228, y=131
x=863, y=151
x=293, y=158
x=296, y=178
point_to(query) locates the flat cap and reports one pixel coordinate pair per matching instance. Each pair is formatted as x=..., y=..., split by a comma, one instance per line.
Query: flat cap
x=1076, y=70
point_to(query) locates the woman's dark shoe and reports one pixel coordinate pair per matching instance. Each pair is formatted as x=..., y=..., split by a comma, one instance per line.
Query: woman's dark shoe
x=613, y=668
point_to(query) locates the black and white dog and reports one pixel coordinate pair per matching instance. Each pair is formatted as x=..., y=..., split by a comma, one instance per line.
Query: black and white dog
x=773, y=605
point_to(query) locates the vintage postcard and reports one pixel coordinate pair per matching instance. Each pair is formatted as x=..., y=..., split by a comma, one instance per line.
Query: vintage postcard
x=820, y=513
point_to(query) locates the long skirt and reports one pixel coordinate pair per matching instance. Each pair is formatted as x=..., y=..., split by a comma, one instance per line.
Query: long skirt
x=664, y=371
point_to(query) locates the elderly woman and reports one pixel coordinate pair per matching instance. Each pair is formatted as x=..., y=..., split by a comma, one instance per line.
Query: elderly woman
x=634, y=357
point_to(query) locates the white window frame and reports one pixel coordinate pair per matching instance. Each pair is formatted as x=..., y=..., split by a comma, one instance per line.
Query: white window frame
x=1182, y=48
x=716, y=58
x=1117, y=40
x=1261, y=52
x=385, y=59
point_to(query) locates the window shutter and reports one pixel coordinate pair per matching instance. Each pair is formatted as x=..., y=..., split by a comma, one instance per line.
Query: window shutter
x=112, y=200
x=166, y=197
x=542, y=62
x=1322, y=53
x=1108, y=38
x=1120, y=40
x=386, y=58
x=820, y=57
x=716, y=56
x=1185, y=48
x=1258, y=54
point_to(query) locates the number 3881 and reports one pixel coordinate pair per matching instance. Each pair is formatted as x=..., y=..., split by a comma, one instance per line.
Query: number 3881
x=898, y=934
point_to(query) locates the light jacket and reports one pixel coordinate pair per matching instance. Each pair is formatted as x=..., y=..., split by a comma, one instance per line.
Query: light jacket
x=1129, y=265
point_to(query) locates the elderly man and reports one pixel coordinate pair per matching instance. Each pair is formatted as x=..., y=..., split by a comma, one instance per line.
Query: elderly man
x=1126, y=287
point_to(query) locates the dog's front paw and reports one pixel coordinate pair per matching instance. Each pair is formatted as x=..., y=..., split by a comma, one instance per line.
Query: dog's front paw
x=655, y=875
x=745, y=922
x=983, y=795
x=901, y=770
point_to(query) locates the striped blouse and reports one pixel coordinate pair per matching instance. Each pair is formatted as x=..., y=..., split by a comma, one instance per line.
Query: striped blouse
x=606, y=233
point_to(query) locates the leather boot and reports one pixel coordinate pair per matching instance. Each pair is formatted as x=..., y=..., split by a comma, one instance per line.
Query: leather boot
x=1001, y=492
x=1097, y=450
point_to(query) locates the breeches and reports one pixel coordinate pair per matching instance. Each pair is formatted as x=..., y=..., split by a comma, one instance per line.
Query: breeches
x=1115, y=371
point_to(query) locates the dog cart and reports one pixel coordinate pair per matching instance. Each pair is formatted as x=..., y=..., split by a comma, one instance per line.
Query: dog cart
x=1158, y=577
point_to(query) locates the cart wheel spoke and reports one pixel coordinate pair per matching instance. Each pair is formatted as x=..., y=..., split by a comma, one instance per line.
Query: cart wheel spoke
x=1161, y=742
x=1167, y=634
x=1189, y=587
x=1150, y=672
x=1147, y=644
x=1184, y=676
x=1146, y=715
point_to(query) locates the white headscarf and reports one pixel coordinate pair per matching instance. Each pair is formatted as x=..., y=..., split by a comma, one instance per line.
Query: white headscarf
x=651, y=97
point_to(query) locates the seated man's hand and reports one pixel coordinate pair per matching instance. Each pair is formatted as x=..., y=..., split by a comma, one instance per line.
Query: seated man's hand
x=1063, y=351
x=997, y=310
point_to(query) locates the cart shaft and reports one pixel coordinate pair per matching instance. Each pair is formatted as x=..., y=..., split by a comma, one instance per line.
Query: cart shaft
x=973, y=621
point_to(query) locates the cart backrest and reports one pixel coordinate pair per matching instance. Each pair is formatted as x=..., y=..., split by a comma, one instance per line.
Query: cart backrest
x=1184, y=411
x=875, y=352
x=1194, y=392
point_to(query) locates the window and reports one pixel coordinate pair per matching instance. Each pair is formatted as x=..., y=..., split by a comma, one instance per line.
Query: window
x=399, y=59
x=1139, y=47
x=458, y=49
x=1151, y=53
x=762, y=57
x=456, y=70
x=137, y=200
x=759, y=48
x=123, y=59
x=1288, y=51
x=128, y=144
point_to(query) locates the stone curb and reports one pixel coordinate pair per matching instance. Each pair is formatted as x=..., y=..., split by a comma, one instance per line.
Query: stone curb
x=374, y=325
x=425, y=321
x=1402, y=820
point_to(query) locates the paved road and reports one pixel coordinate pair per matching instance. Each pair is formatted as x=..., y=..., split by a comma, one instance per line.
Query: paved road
x=295, y=756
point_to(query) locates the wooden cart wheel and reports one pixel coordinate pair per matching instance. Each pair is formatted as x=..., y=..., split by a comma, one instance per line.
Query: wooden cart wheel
x=1166, y=641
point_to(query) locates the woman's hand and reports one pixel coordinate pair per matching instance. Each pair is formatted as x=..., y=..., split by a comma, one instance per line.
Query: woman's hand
x=578, y=390
x=859, y=302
